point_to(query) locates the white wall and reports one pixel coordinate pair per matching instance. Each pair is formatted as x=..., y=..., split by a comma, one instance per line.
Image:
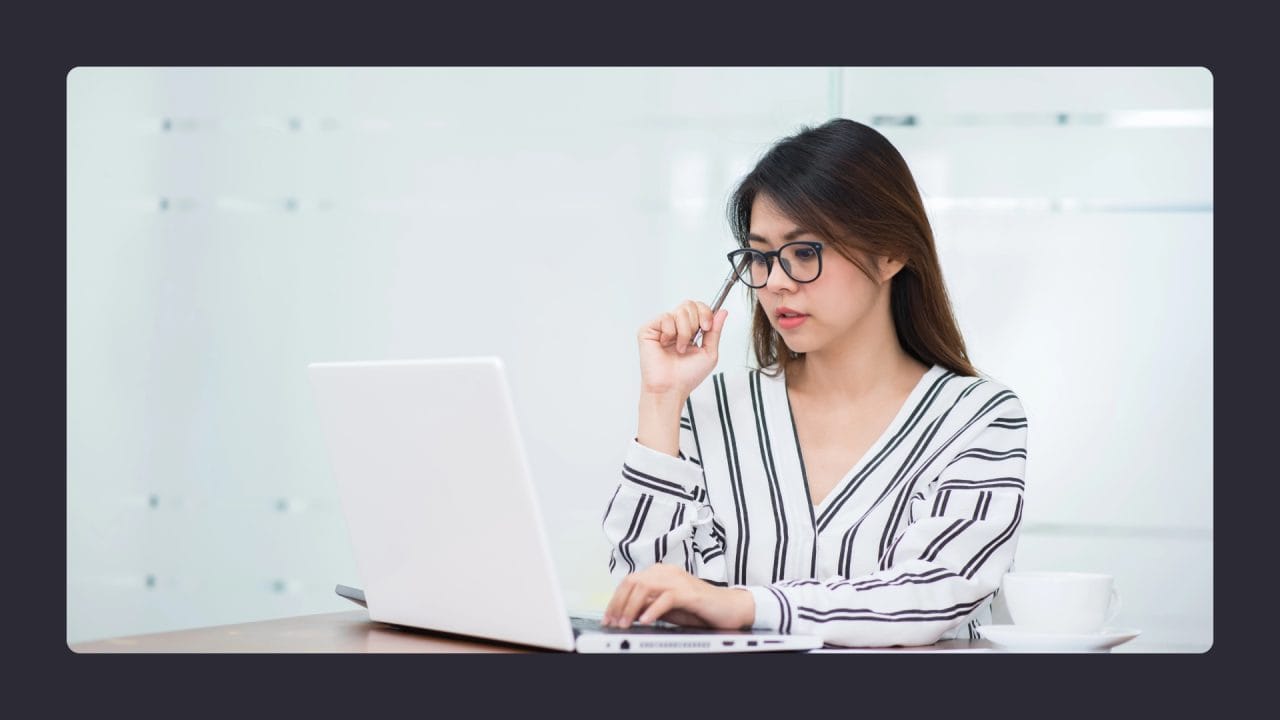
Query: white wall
x=228, y=226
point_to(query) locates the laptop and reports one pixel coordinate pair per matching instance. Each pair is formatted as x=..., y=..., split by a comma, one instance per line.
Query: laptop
x=440, y=506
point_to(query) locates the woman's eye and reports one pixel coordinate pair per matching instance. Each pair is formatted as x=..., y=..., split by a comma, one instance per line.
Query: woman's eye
x=758, y=259
x=805, y=253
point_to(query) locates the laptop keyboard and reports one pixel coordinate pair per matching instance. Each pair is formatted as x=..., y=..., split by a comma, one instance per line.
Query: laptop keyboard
x=593, y=625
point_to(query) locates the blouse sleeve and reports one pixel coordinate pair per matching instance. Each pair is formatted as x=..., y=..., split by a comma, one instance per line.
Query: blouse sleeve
x=942, y=567
x=659, y=512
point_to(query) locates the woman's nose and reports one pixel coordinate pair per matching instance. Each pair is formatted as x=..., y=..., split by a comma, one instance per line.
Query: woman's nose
x=778, y=278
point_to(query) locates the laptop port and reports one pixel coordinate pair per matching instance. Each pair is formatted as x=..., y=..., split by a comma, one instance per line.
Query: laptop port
x=626, y=645
x=728, y=643
x=751, y=643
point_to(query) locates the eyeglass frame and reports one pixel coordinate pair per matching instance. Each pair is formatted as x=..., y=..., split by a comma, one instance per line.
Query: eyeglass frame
x=769, y=256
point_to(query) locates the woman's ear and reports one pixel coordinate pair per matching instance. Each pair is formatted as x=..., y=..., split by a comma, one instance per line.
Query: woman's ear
x=889, y=267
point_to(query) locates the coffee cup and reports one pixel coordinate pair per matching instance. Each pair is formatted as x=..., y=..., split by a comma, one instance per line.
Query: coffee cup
x=1075, y=603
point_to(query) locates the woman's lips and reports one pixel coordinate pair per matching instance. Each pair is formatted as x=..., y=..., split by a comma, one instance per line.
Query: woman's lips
x=790, y=323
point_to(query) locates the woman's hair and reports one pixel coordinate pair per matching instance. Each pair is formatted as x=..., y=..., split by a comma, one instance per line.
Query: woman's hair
x=846, y=183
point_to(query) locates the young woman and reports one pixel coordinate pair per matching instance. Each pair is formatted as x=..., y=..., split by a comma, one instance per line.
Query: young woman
x=865, y=484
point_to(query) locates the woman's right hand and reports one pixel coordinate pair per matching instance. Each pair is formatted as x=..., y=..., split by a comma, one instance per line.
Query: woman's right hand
x=670, y=364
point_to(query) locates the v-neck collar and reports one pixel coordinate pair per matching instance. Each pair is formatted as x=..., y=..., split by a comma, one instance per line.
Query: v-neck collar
x=781, y=398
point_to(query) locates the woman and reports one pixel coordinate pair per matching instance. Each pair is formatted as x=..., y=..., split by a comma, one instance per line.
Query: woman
x=865, y=484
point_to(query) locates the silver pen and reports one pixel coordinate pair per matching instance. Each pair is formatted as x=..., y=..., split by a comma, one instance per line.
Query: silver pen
x=715, y=305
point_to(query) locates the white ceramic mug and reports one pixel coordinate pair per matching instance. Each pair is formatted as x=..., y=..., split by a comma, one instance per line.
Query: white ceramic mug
x=1061, y=602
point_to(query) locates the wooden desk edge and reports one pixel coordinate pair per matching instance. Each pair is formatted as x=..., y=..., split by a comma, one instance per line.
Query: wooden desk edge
x=341, y=632
x=353, y=632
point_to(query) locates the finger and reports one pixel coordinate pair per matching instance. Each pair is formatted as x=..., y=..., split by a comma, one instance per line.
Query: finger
x=658, y=607
x=685, y=329
x=695, y=315
x=636, y=603
x=711, y=340
x=613, y=610
x=652, y=330
x=695, y=321
x=705, y=317
x=668, y=330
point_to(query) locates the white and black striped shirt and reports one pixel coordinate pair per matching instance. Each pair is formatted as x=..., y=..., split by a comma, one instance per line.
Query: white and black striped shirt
x=907, y=549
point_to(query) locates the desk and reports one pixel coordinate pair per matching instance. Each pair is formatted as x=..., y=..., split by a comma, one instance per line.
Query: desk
x=351, y=632
x=340, y=632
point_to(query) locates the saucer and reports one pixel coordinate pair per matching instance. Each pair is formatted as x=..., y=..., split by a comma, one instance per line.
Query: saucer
x=1017, y=638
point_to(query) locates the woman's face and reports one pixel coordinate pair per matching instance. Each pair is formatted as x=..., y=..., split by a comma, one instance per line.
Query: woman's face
x=836, y=305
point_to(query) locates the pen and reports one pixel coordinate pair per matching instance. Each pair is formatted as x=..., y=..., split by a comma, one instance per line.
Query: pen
x=720, y=296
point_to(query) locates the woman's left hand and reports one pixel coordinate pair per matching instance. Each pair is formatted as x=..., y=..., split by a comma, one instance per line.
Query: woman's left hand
x=670, y=593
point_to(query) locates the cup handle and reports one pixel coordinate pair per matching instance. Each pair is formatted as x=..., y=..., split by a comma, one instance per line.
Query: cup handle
x=1115, y=605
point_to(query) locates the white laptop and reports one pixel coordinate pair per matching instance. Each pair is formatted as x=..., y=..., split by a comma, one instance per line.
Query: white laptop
x=444, y=520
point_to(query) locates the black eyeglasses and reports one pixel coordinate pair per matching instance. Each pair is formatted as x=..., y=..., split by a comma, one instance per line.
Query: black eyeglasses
x=800, y=260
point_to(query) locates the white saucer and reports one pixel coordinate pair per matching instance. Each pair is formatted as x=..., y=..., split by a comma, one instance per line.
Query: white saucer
x=1016, y=638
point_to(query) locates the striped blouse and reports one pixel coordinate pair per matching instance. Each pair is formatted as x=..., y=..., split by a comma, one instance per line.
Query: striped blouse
x=908, y=548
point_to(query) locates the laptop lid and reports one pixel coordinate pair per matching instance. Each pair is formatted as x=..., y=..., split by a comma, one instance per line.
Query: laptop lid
x=436, y=491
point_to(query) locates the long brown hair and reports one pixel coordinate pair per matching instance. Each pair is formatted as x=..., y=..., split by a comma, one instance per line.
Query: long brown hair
x=848, y=184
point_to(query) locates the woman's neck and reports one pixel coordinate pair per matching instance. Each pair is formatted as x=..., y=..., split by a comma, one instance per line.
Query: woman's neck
x=858, y=368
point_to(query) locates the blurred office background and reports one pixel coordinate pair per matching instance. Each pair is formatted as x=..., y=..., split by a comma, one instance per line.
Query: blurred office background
x=225, y=227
